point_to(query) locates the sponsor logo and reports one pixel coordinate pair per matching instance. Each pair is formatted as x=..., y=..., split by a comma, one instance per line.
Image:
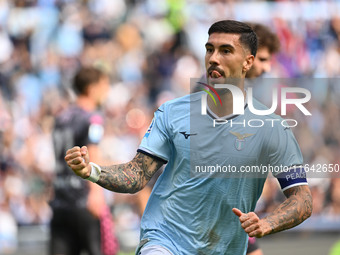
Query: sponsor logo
x=186, y=136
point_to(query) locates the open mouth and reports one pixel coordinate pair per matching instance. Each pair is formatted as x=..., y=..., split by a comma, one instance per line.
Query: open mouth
x=215, y=73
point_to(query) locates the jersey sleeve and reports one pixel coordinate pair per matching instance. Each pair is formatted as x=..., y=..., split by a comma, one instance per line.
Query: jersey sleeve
x=156, y=142
x=95, y=129
x=285, y=159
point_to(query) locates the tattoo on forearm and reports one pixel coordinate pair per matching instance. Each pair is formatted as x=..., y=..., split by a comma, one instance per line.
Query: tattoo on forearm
x=294, y=210
x=129, y=177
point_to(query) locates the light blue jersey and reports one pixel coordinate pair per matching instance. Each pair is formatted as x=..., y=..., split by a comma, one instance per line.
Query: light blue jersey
x=190, y=209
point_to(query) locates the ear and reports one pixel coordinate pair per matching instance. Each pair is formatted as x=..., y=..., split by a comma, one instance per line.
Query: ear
x=248, y=62
x=91, y=91
x=88, y=90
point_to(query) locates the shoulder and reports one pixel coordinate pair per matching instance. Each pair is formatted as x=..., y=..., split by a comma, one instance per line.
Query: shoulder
x=67, y=114
x=275, y=130
x=177, y=112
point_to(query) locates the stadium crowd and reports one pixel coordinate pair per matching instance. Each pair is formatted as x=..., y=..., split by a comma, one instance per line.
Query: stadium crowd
x=151, y=50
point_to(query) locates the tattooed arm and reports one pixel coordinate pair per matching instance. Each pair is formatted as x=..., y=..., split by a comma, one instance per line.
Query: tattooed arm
x=130, y=177
x=293, y=211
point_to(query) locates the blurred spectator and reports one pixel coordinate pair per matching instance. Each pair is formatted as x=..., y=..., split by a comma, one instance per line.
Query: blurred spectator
x=8, y=229
x=332, y=210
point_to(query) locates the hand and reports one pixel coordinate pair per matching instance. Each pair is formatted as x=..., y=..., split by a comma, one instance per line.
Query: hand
x=251, y=223
x=78, y=160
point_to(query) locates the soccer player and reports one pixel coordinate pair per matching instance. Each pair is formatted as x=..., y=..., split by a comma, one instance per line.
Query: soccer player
x=78, y=205
x=268, y=45
x=188, y=212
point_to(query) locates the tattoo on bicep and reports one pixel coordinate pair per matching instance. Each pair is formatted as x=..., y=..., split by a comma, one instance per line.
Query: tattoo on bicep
x=130, y=177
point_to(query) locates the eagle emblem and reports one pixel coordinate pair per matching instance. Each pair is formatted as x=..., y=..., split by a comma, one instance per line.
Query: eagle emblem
x=240, y=139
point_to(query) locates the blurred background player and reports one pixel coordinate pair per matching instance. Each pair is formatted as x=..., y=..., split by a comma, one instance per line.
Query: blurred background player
x=268, y=44
x=78, y=205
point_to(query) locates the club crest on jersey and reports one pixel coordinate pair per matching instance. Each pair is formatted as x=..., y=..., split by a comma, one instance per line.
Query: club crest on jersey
x=150, y=128
x=240, y=140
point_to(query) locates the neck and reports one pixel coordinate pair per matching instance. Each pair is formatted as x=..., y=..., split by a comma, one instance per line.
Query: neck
x=227, y=103
x=336, y=208
x=86, y=103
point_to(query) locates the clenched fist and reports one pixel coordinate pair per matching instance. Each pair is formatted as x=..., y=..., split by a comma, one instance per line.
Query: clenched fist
x=78, y=160
x=252, y=224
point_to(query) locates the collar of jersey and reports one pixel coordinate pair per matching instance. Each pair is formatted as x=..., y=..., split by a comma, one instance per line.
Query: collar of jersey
x=229, y=116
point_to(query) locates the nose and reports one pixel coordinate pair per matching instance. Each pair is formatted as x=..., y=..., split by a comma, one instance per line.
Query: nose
x=213, y=59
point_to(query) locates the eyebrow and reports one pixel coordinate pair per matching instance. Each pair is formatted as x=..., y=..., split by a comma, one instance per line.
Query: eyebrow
x=221, y=46
x=268, y=58
x=227, y=46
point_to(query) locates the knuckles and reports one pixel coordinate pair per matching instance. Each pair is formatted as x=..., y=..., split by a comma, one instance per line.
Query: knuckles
x=252, y=214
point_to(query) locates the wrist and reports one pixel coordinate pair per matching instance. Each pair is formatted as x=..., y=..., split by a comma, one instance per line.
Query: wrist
x=267, y=227
x=94, y=173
